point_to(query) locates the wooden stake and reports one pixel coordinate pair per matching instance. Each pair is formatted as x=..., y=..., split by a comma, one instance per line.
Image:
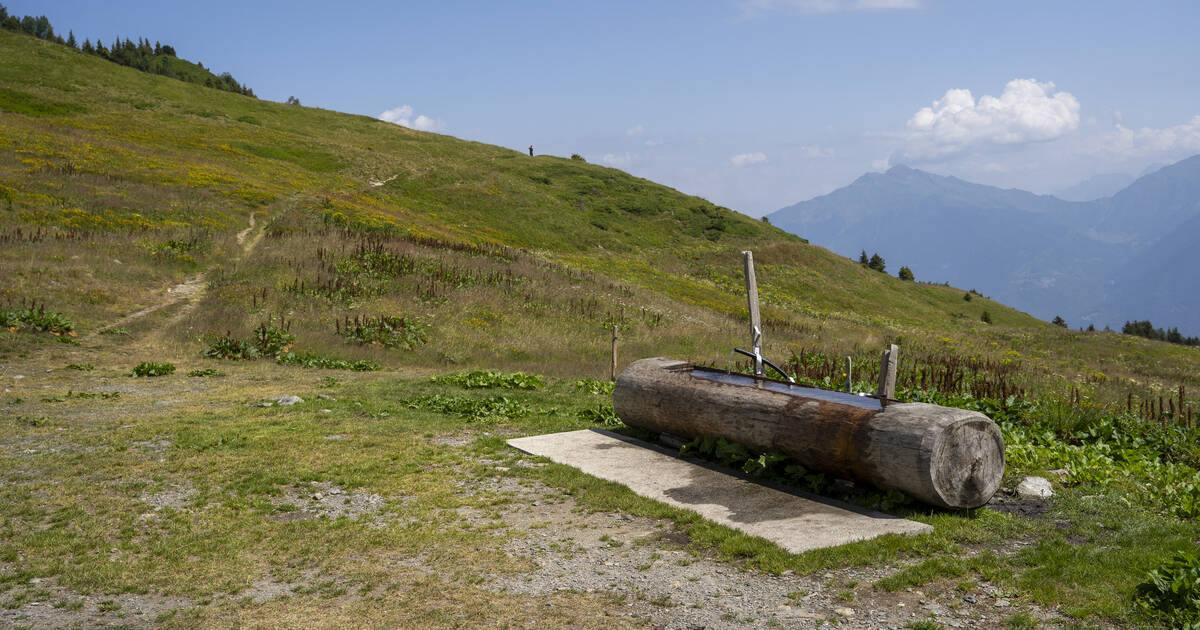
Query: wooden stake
x=849, y=375
x=752, y=303
x=614, y=353
x=887, y=372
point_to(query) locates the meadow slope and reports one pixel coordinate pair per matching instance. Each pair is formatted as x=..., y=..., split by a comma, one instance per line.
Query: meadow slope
x=244, y=250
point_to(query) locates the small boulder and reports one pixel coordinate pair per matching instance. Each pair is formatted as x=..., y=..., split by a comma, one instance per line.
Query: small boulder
x=289, y=400
x=1035, y=488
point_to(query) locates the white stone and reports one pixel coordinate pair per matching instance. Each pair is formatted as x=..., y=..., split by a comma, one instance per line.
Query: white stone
x=1035, y=488
x=289, y=400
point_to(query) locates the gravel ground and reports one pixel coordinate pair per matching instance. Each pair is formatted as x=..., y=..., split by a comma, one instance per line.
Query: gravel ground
x=645, y=564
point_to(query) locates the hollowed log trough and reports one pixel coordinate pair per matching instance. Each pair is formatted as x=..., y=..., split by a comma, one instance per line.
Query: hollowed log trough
x=948, y=457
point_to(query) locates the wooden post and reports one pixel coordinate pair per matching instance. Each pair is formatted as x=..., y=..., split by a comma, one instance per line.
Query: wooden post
x=614, y=353
x=849, y=375
x=887, y=372
x=752, y=304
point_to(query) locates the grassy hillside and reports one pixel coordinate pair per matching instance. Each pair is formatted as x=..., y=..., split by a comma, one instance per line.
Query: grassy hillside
x=100, y=164
x=148, y=224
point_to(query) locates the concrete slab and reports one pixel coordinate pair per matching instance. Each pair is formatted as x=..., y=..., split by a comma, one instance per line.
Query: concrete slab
x=794, y=522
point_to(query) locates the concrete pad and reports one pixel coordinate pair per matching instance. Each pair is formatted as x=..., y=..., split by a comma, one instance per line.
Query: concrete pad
x=794, y=522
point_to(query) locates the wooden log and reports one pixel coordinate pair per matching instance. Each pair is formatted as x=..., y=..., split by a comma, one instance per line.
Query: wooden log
x=948, y=457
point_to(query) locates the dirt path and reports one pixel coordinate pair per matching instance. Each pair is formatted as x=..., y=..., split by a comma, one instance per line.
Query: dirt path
x=376, y=183
x=249, y=245
x=191, y=290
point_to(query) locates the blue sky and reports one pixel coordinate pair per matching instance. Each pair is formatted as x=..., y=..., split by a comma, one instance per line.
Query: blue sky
x=755, y=104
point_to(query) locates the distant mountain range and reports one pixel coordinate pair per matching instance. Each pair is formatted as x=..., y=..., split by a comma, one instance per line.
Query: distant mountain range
x=1104, y=261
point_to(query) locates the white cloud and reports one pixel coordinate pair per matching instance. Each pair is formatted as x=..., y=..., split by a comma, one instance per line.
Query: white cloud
x=635, y=130
x=613, y=159
x=403, y=116
x=746, y=159
x=1027, y=111
x=1168, y=142
x=756, y=7
x=813, y=151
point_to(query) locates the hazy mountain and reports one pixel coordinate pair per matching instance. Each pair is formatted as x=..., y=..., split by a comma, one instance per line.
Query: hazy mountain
x=1101, y=260
x=1096, y=187
x=1153, y=206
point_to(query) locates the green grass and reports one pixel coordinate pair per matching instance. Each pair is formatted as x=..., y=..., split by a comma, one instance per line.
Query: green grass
x=116, y=185
x=317, y=161
x=30, y=105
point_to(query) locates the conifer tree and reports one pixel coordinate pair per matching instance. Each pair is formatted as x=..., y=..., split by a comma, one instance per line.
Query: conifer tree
x=862, y=258
x=877, y=263
x=905, y=274
x=71, y=39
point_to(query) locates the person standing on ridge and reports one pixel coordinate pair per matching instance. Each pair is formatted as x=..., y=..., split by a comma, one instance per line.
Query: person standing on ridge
x=531, y=150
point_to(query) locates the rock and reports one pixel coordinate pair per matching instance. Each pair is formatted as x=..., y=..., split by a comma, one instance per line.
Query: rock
x=318, y=496
x=1035, y=488
x=326, y=411
x=326, y=397
x=265, y=404
x=845, y=612
x=1001, y=603
x=289, y=400
x=970, y=599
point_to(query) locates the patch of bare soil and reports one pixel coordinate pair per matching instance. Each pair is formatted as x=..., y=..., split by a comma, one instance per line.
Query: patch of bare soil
x=319, y=499
x=53, y=606
x=452, y=439
x=646, y=564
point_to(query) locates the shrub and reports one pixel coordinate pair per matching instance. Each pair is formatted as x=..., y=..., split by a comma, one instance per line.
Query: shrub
x=594, y=386
x=384, y=330
x=269, y=341
x=1171, y=592
x=149, y=368
x=1059, y=321
x=38, y=319
x=206, y=372
x=229, y=348
x=906, y=274
x=309, y=360
x=577, y=157
x=476, y=379
x=986, y=317
x=602, y=414
x=490, y=409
